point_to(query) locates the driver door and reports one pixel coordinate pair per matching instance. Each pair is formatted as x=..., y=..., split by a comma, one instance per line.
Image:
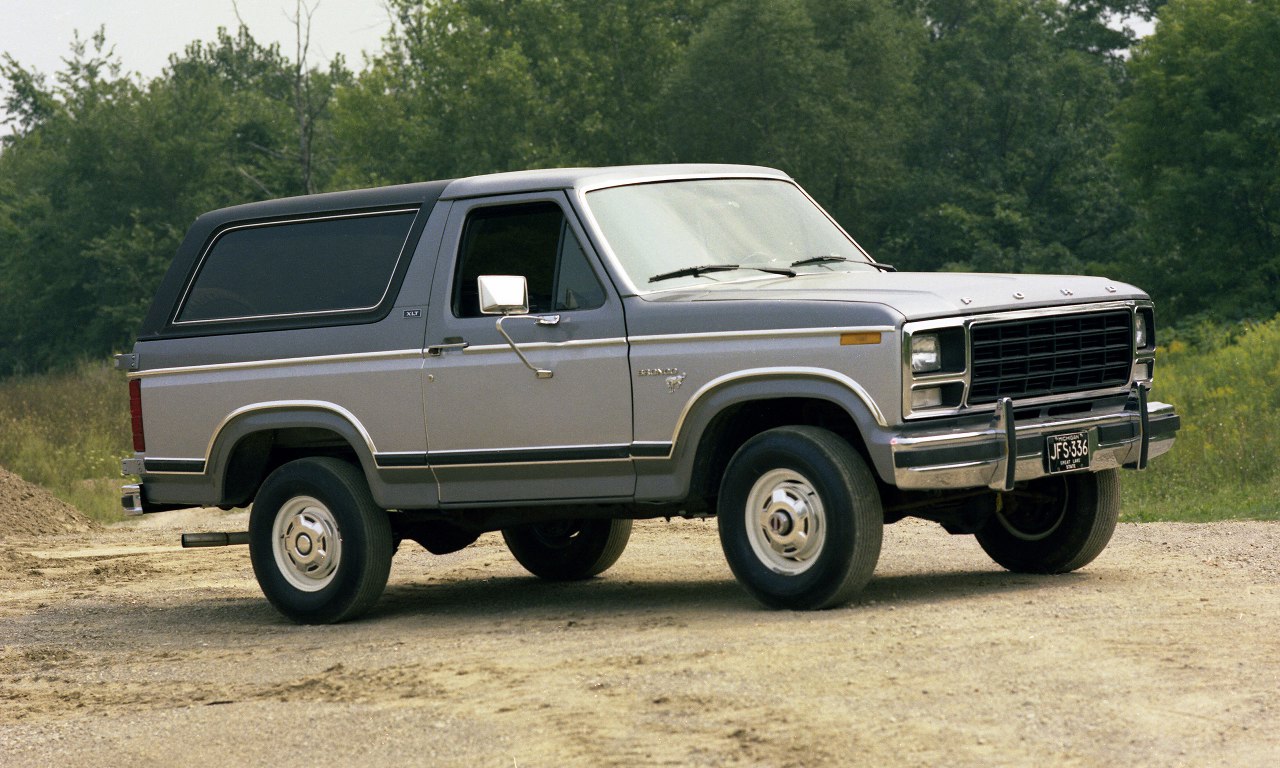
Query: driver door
x=496, y=431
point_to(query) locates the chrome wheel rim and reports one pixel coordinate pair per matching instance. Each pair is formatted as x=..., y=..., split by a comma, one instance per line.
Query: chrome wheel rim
x=306, y=543
x=786, y=523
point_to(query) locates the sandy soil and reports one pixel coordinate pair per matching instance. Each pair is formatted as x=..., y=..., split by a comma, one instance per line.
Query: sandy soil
x=119, y=648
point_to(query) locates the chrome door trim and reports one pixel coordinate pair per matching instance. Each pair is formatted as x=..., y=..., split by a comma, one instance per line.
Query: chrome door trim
x=352, y=357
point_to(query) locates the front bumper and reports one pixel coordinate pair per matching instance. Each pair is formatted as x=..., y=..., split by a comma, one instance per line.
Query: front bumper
x=1006, y=451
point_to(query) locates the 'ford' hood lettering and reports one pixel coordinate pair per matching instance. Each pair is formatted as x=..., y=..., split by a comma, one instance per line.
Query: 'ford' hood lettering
x=920, y=295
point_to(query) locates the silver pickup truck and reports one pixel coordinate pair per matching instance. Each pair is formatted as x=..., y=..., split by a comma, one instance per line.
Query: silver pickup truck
x=553, y=354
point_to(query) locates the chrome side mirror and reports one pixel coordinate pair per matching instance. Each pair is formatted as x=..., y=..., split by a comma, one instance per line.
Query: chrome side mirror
x=503, y=294
x=508, y=295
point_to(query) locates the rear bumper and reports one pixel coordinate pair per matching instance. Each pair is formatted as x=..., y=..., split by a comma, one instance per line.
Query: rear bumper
x=1007, y=451
x=131, y=499
x=134, y=501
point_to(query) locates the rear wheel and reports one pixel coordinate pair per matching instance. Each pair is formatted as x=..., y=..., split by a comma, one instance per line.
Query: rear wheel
x=800, y=518
x=320, y=546
x=1054, y=524
x=568, y=550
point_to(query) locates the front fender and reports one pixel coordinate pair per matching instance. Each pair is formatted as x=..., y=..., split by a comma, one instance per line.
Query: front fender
x=670, y=478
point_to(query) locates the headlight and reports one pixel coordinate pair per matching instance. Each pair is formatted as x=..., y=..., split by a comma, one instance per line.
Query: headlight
x=929, y=397
x=926, y=353
x=1144, y=329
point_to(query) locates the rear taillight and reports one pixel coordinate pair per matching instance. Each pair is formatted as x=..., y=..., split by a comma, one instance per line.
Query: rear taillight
x=135, y=415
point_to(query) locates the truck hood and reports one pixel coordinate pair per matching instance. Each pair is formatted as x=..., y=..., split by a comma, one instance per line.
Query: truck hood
x=916, y=295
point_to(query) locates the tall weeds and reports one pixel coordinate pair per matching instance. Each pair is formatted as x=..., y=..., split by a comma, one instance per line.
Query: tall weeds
x=68, y=432
x=1224, y=462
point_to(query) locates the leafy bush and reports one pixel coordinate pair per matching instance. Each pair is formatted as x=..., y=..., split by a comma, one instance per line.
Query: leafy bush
x=67, y=432
x=1226, y=386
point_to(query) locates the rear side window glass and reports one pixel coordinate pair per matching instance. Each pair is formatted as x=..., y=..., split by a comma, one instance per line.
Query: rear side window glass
x=338, y=264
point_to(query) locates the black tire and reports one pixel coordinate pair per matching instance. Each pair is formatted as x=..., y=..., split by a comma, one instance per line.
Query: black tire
x=568, y=550
x=800, y=518
x=1054, y=524
x=321, y=548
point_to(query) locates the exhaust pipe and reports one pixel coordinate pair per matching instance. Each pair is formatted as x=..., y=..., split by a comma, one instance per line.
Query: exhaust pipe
x=190, y=540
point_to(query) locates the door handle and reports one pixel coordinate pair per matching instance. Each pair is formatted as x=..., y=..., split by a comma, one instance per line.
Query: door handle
x=436, y=350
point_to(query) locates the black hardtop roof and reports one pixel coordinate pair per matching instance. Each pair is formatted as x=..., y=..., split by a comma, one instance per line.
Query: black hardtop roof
x=421, y=195
x=349, y=200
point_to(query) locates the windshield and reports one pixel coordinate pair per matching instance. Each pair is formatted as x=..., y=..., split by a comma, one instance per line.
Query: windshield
x=680, y=233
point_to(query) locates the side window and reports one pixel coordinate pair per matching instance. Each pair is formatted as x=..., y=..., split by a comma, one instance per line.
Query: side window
x=533, y=240
x=340, y=264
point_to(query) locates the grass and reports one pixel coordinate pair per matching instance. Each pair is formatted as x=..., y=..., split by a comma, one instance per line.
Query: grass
x=1224, y=462
x=68, y=432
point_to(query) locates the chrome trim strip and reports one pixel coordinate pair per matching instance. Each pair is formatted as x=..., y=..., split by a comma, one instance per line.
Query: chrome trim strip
x=569, y=454
x=152, y=466
x=354, y=357
x=547, y=462
x=581, y=447
x=401, y=460
x=195, y=274
x=757, y=373
x=281, y=405
x=765, y=333
x=651, y=449
x=578, y=343
x=596, y=184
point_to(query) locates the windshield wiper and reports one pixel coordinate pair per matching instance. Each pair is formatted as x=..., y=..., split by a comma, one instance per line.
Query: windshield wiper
x=705, y=268
x=826, y=259
x=694, y=271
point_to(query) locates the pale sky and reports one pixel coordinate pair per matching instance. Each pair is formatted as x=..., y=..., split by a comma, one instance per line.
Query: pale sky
x=38, y=33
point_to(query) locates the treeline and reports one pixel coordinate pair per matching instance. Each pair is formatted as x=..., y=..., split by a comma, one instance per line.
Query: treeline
x=1000, y=135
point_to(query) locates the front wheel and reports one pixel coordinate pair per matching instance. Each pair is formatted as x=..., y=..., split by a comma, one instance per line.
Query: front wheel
x=800, y=518
x=320, y=546
x=1055, y=524
x=568, y=550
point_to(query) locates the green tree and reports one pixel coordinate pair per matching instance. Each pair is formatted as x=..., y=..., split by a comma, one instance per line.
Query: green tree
x=103, y=173
x=472, y=86
x=756, y=87
x=1200, y=146
x=64, y=179
x=1008, y=162
x=820, y=88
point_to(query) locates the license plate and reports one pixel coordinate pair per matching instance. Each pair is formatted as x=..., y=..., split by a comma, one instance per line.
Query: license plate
x=1066, y=453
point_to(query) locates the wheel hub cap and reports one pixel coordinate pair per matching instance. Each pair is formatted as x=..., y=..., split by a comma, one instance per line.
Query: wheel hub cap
x=307, y=544
x=781, y=523
x=785, y=521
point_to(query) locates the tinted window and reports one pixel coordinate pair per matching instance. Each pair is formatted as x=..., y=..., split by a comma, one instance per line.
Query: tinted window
x=320, y=265
x=532, y=240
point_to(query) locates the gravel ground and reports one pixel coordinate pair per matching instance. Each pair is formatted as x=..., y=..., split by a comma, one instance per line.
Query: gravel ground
x=119, y=648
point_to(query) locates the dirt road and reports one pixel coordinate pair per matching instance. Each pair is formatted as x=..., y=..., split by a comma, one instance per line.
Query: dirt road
x=121, y=649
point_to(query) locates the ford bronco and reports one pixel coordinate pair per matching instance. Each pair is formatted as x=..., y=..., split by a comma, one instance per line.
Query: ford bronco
x=553, y=354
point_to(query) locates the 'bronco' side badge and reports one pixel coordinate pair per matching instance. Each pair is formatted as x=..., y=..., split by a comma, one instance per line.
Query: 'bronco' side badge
x=675, y=376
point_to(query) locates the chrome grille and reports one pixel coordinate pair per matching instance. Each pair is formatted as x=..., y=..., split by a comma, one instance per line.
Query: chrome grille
x=1050, y=355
